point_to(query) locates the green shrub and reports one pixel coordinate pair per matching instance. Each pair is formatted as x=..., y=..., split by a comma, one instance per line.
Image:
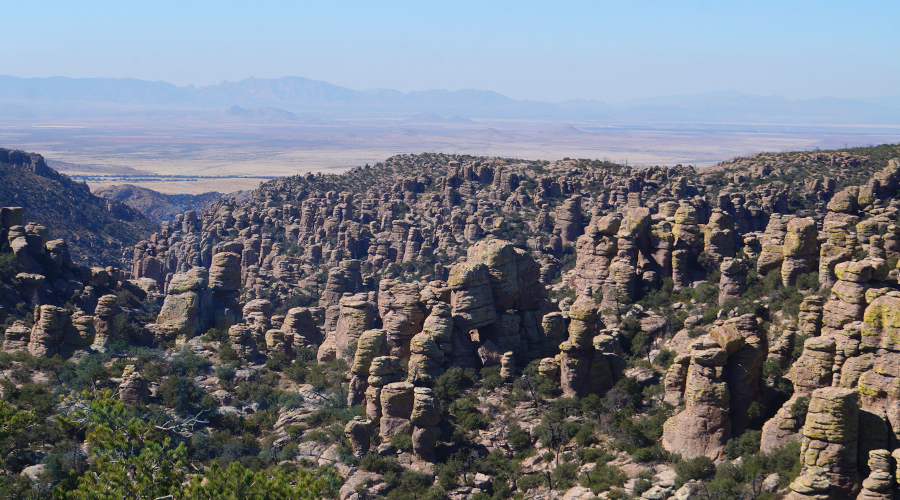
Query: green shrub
x=288, y=452
x=490, y=377
x=402, y=442
x=586, y=435
x=467, y=415
x=378, y=464
x=603, y=478
x=564, y=475
x=215, y=335
x=640, y=486
x=450, y=384
x=181, y=394
x=518, y=437
x=650, y=454
x=188, y=363
x=665, y=358
x=699, y=468
x=594, y=455
x=9, y=266
x=799, y=409
x=743, y=446
x=225, y=372
x=531, y=481
x=227, y=353
x=277, y=361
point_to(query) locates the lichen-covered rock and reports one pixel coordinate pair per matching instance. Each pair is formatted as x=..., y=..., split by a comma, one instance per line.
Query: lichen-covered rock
x=733, y=280
x=809, y=323
x=744, y=369
x=878, y=485
x=719, y=237
x=812, y=484
x=882, y=322
x=800, y=249
x=439, y=325
x=514, y=275
x=397, y=401
x=355, y=317
x=424, y=440
x=367, y=348
x=401, y=313
x=470, y=296
x=583, y=370
x=772, y=255
x=814, y=369
x=425, y=361
x=384, y=370
x=359, y=432
x=300, y=323
x=179, y=318
x=568, y=220
x=16, y=337
x=134, y=388
x=426, y=410
x=80, y=332
x=555, y=332
x=844, y=201
x=728, y=337
x=703, y=427
x=47, y=333
x=225, y=272
x=829, y=438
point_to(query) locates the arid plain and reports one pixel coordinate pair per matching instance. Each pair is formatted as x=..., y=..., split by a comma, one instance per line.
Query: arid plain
x=207, y=151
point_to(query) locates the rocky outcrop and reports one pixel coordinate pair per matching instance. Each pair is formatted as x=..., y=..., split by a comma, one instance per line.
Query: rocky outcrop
x=800, y=249
x=134, y=388
x=354, y=317
x=880, y=481
x=16, y=337
x=568, y=220
x=48, y=331
x=359, y=432
x=703, y=427
x=425, y=416
x=401, y=314
x=397, y=400
x=733, y=280
x=105, y=329
x=829, y=445
x=583, y=370
x=718, y=380
x=813, y=370
x=471, y=297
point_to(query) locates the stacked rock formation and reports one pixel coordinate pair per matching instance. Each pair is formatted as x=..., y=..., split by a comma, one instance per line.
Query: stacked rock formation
x=133, y=388
x=198, y=300
x=583, y=370
x=829, y=445
x=718, y=379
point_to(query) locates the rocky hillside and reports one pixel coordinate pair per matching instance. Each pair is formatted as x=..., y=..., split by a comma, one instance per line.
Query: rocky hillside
x=96, y=229
x=159, y=206
x=452, y=327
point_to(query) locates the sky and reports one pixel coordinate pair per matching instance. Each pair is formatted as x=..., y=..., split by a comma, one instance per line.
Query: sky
x=544, y=51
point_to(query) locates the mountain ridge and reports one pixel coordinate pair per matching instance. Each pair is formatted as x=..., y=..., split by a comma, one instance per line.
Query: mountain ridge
x=294, y=93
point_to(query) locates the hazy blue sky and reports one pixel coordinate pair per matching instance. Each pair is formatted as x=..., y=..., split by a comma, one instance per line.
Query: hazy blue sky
x=552, y=51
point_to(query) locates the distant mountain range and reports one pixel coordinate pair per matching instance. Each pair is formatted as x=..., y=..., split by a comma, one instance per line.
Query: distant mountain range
x=279, y=99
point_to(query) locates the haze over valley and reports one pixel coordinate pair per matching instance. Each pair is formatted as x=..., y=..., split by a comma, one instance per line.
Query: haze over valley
x=231, y=136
